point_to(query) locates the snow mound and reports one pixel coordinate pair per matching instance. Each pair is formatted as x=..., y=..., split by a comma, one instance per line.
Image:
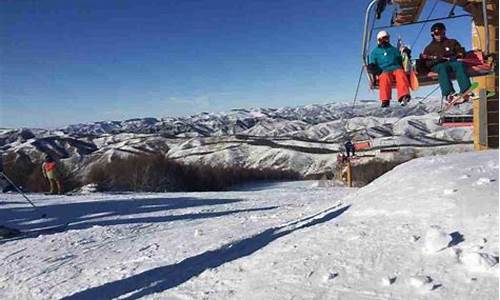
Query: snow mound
x=479, y=262
x=89, y=188
x=322, y=183
x=435, y=184
x=388, y=280
x=436, y=240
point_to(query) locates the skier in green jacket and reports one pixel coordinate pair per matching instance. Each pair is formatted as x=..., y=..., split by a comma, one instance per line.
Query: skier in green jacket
x=389, y=61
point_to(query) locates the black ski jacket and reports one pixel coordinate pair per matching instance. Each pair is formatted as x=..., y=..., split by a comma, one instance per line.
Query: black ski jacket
x=438, y=51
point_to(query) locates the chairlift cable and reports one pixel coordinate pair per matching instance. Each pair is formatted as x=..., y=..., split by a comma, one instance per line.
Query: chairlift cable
x=429, y=94
x=423, y=25
x=357, y=86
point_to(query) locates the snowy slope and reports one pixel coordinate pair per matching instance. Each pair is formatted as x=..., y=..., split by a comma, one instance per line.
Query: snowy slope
x=426, y=230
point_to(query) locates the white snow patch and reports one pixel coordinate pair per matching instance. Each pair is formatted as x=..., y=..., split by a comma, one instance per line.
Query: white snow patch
x=484, y=180
x=436, y=240
x=422, y=282
x=449, y=191
x=479, y=262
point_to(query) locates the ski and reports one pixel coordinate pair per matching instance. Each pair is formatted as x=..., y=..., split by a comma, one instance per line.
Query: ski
x=34, y=233
x=460, y=98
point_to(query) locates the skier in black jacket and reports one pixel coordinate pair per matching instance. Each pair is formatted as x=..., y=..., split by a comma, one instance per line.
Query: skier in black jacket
x=441, y=57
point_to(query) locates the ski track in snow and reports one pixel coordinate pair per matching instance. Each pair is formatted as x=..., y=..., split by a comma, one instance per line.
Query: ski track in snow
x=426, y=230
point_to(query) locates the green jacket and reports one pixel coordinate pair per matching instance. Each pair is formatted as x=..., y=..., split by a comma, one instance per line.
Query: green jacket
x=388, y=58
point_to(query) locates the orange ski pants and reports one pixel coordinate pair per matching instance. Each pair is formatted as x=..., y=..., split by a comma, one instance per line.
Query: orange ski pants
x=385, y=84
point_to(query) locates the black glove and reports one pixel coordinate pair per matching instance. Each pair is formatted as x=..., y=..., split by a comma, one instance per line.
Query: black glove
x=373, y=69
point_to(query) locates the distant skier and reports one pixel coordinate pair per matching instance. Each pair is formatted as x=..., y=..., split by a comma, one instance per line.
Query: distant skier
x=52, y=174
x=386, y=62
x=350, y=149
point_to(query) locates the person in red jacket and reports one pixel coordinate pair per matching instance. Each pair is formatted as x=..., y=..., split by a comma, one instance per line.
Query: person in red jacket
x=51, y=172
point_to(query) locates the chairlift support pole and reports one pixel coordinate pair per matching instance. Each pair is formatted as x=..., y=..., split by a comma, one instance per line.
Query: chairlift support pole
x=486, y=109
x=487, y=29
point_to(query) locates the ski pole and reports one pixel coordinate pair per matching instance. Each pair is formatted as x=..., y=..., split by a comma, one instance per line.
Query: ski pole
x=22, y=193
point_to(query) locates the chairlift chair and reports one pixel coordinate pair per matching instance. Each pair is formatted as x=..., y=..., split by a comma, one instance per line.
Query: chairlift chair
x=478, y=62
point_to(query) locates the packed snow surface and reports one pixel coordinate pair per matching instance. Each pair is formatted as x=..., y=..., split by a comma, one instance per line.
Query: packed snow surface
x=426, y=230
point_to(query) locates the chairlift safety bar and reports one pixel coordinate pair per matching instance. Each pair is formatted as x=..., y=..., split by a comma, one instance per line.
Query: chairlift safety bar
x=424, y=21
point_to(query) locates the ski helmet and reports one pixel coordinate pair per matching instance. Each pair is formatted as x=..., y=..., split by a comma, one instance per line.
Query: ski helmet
x=437, y=26
x=382, y=34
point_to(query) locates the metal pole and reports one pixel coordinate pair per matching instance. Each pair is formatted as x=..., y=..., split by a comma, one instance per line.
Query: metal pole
x=357, y=87
x=21, y=192
x=349, y=174
x=365, y=31
x=486, y=27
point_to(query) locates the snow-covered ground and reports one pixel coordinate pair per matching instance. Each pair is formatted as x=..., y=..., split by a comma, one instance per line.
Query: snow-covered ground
x=426, y=230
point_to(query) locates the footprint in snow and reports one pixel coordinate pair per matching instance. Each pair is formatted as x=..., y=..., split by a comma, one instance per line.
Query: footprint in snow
x=388, y=280
x=450, y=191
x=423, y=283
x=330, y=276
x=151, y=247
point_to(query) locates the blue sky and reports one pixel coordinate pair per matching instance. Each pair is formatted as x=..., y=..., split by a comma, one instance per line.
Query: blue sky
x=65, y=62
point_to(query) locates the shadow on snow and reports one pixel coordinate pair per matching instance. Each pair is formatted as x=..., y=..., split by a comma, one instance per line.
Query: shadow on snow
x=81, y=215
x=163, y=278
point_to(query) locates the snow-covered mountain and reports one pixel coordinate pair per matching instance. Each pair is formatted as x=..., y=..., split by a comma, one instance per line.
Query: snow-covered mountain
x=305, y=138
x=242, y=120
x=426, y=230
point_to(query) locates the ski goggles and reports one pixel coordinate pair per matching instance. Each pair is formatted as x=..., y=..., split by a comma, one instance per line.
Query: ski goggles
x=438, y=31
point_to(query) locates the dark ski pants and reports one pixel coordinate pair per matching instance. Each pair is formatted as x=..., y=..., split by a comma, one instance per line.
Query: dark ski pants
x=350, y=150
x=443, y=69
